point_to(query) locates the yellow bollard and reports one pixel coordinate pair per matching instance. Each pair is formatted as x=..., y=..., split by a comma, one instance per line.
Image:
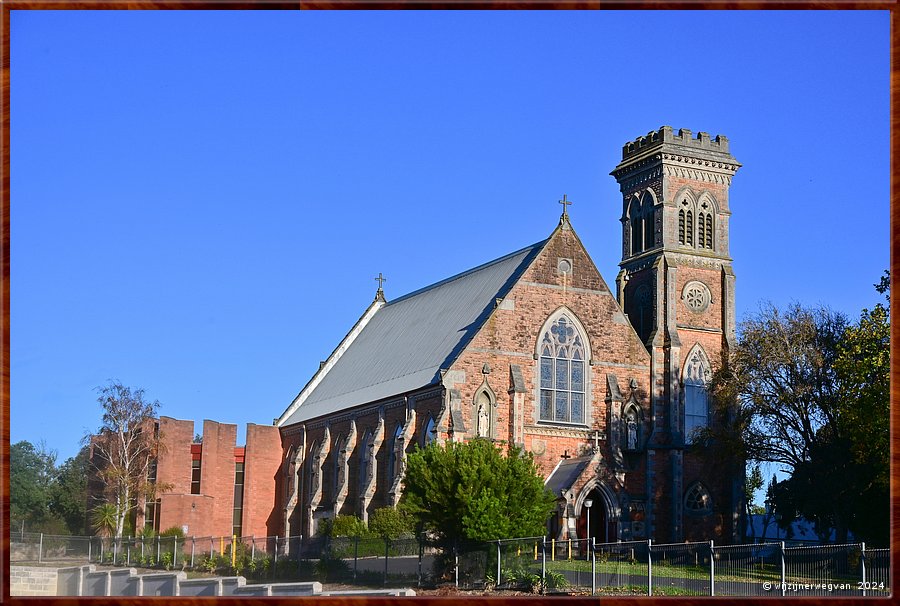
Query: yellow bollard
x=518, y=550
x=535, y=552
x=233, y=550
x=552, y=550
x=222, y=545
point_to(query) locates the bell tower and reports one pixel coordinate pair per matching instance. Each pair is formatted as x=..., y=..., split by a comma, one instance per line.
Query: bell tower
x=676, y=285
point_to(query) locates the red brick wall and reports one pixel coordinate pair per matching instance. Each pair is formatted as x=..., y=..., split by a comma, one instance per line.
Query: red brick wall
x=262, y=464
x=174, y=461
x=217, y=473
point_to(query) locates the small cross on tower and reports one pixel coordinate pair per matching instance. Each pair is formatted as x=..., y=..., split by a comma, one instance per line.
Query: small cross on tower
x=565, y=455
x=566, y=203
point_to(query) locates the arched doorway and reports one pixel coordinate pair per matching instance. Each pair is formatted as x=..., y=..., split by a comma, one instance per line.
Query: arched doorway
x=603, y=525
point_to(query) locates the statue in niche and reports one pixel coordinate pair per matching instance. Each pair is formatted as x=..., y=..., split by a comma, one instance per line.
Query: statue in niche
x=631, y=432
x=483, y=416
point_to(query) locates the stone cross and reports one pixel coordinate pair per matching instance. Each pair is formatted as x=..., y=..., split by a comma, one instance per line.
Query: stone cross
x=566, y=203
x=596, y=437
x=565, y=455
x=381, y=280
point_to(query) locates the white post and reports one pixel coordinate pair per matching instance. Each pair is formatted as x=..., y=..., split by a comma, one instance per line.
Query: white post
x=41, y=549
x=592, y=548
x=862, y=562
x=649, y=568
x=712, y=569
x=174, y=551
x=543, y=563
x=193, y=542
x=498, y=563
x=781, y=543
x=252, y=547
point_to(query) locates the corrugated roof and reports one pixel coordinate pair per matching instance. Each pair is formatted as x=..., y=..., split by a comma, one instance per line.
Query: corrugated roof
x=566, y=474
x=406, y=343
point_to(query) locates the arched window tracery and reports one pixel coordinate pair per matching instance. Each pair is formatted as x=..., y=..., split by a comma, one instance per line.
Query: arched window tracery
x=696, y=401
x=563, y=372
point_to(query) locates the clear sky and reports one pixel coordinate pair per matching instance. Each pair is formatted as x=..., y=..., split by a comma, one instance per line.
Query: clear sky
x=200, y=200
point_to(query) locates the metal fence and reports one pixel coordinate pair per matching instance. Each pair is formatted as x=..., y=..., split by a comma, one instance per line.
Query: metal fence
x=534, y=564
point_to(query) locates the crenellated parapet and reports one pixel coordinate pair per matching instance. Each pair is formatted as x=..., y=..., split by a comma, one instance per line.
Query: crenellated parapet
x=684, y=137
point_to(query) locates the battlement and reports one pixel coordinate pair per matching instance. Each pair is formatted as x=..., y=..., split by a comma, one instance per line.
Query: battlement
x=666, y=135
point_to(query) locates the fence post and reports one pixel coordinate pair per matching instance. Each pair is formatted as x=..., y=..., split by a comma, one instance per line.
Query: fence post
x=712, y=568
x=41, y=549
x=193, y=544
x=356, y=555
x=421, y=542
x=252, y=547
x=276, y=555
x=128, y=552
x=543, y=562
x=592, y=548
x=649, y=567
x=498, y=564
x=174, y=551
x=455, y=562
x=157, y=550
x=781, y=544
x=387, y=544
x=862, y=563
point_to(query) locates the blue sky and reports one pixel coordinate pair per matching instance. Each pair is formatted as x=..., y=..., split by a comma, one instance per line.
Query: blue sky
x=200, y=200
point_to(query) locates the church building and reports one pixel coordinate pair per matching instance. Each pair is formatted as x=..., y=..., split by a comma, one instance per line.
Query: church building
x=604, y=385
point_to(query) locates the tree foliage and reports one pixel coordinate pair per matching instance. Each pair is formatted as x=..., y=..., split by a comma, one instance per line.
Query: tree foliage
x=809, y=390
x=68, y=494
x=125, y=446
x=390, y=523
x=31, y=475
x=472, y=491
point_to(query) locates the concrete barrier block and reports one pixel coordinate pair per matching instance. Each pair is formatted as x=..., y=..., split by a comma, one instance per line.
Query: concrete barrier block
x=123, y=582
x=308, y=588
x=371, y=592
x=253, y=590
x=231, y=584
x=162, y=584
x=95, y=583
x=198, y=587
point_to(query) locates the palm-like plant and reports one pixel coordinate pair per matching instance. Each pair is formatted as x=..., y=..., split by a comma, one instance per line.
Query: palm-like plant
x=104, y=518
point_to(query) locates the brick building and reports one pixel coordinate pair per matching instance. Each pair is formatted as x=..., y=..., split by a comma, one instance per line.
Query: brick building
x=603, y=386
x=534, y=348
x=211, y=486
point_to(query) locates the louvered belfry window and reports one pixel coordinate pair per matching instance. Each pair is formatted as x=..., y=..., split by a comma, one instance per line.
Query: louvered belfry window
x=562, y=370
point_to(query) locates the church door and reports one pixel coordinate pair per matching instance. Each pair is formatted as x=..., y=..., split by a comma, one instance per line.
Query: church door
x=602, y=526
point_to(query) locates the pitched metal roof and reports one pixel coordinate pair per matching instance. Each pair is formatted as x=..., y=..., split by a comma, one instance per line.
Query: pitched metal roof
x=566, y=474
x=407, y=341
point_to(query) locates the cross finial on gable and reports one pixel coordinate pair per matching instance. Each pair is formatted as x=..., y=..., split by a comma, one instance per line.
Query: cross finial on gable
x=566, y=203
x=379, y=294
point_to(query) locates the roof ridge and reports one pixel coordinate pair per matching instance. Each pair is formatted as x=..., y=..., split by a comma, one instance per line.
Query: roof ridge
x=468, y=271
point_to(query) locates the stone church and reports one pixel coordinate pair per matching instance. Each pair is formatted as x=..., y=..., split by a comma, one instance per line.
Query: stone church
x=605, y=386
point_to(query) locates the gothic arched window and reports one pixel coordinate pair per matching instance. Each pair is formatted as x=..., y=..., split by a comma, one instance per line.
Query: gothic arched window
x=697, y=499
x=392, y=453
x=709, y=232
x=429, y=434
x=696, y=401
x=563, y=372
x=682, y=238
x=364, y=456
x=689, y=228
x=647, y=212
x=637, y=231
x=336, y=470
